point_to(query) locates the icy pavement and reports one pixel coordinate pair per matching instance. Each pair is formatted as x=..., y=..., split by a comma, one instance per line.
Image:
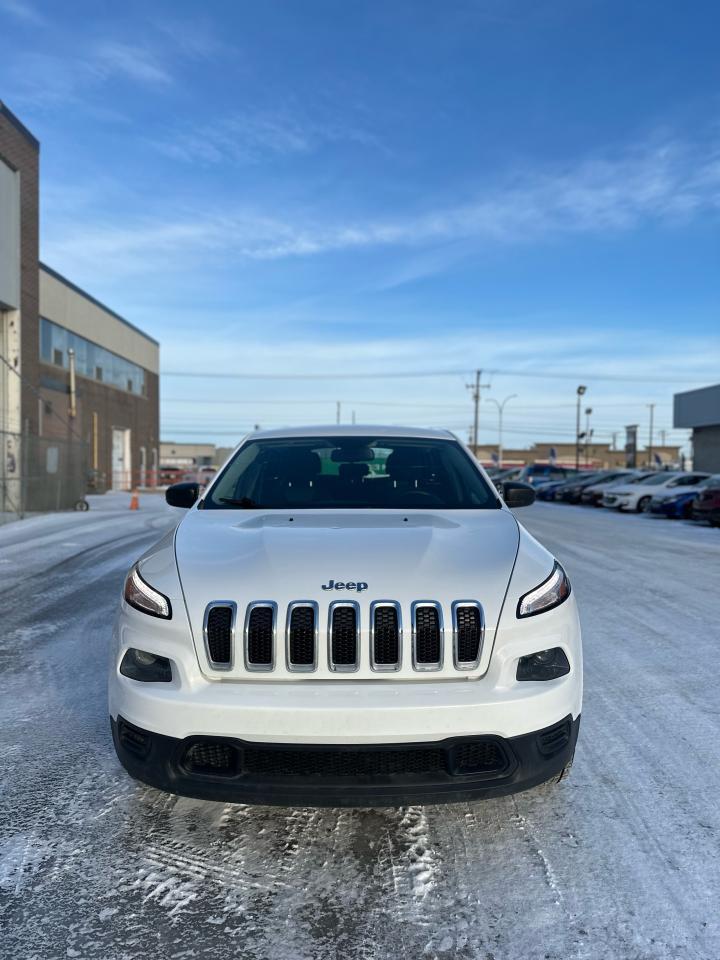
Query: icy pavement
x=621, y=861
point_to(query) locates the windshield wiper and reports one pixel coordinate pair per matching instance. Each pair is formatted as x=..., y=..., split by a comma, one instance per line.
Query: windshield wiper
x=244, y=502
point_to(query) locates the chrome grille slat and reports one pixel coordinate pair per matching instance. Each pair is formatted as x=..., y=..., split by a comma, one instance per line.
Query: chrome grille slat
x=385, y=636
x=301, y=641
x=427, y=635
x=468, y=634
x=344, y=636
x=219, y=634
x=259, y=636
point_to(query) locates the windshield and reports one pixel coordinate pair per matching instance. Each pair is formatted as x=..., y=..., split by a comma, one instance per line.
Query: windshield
x=657, y=478
x=338, y=472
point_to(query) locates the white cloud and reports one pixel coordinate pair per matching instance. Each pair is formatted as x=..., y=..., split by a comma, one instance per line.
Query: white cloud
x=137, y=63
x=661, y=183
x=251, y=136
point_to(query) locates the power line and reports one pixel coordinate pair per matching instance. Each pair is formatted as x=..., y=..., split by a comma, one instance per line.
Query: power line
x=422, y=374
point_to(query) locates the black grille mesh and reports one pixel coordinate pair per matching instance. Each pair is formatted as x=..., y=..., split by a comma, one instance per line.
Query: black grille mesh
x=468, y=634
x=219, y=634
x=260, y=636
x=225, y=758
x=302, y=636
x=211, y=757
x=427, y=635
x=387, y=641
x=342, y=763
x=344, y=636
x=479, y=756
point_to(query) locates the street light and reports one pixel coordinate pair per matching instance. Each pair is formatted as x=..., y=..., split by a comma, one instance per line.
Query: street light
x=500, y=407
x=580, y=392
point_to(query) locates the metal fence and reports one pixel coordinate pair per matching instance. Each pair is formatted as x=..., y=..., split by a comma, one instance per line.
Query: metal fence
x=39, y=474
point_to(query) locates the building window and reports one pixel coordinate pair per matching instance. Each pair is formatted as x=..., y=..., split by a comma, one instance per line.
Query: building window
x=91, y=360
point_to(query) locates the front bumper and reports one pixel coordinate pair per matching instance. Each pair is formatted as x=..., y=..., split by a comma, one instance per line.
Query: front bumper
x=456, y=769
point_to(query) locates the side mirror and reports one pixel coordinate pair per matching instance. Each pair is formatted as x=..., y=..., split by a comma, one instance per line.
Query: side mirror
x=182, y=494
x=517, y=494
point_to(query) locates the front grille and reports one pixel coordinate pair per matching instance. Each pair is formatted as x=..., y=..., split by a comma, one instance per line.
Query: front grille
x=386, y=636
x=211, y=757
x=343, y=637
x=301, y=637
x=355, y=636
x=428, y=652
x=468, y=635
x=219, y=634
x=337, y=763
x=259, y=637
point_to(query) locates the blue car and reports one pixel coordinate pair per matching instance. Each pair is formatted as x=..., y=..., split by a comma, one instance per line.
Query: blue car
x=679, y=507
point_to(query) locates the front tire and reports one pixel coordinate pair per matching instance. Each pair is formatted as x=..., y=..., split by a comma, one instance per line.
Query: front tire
x=643, y=504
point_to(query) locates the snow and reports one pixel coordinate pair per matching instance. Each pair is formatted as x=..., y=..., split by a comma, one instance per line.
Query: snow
x=619, y=861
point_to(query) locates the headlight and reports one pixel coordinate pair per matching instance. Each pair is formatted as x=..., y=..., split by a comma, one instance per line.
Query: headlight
x=550, y=593
x=143, y=597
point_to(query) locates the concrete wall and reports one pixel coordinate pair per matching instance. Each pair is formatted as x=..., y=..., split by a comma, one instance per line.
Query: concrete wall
x=698, y=408
x=9, y=236
x=706, y=449
x=65, y=304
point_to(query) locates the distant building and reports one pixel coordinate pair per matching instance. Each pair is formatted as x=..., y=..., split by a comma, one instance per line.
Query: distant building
x=187, y=454
x=700, y=411
x=78, y=383
x=596, y=455
x=193, y=454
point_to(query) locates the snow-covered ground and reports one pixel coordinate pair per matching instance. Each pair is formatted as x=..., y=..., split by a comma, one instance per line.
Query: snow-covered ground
x=620, y=861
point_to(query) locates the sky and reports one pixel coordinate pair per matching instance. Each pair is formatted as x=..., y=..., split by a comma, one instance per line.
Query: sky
x=312, y=203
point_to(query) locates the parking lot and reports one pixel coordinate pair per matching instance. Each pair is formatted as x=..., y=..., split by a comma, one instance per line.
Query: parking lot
x=620, y=861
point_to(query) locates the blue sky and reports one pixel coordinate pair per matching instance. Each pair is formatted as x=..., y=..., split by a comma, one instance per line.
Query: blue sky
x=287, y=189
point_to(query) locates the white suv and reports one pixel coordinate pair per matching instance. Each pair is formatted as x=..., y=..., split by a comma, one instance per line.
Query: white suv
x=347, y=616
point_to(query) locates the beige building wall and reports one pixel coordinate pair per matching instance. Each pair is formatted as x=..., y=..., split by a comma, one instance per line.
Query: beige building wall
x=9, y=236
x=64, y=304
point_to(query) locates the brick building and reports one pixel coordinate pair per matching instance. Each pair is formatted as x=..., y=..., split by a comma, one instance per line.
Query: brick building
x=79, y=394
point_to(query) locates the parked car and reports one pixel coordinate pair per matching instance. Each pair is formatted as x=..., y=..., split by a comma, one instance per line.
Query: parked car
x=539, y=473
x=637, y=496
x=169, y=474
x=546, y=491
x=707, y=504
x=677, y=505
x=571, y=491
x=306, y=635
x=593, y=493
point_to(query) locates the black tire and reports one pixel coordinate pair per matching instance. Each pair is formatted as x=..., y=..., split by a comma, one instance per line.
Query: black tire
x=81, y=506
x=643, y=504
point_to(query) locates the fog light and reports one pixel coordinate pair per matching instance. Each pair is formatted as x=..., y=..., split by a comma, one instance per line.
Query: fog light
x=543, y=665
x=140, y=665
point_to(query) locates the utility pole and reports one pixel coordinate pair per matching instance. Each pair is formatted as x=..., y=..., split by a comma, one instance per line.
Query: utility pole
x=337, y=416
x=614, y=438
x=476, y=388
x=580, y=393
x=588, y=432
x=662, y=437
x=650, y=436
x=72, y=410
x=353, y=418
x=501, y=407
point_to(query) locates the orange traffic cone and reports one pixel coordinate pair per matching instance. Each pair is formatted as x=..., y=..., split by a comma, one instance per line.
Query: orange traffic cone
x=134, y=501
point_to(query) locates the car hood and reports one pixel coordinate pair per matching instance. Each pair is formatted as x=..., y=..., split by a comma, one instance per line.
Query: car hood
x=283, y=557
